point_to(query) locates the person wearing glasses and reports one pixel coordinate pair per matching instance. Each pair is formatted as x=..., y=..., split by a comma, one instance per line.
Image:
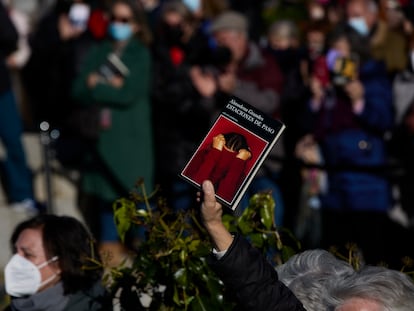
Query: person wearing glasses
x=115, y=77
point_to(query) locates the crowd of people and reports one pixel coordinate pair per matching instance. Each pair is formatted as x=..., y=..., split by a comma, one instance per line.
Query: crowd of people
x=133, y=87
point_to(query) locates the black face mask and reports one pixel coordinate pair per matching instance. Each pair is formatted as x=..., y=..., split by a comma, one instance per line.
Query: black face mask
x=172, y=34
x=286, y=59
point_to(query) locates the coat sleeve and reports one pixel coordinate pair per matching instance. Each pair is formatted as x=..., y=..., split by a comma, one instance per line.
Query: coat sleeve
x=378, y=111
x=8, y=33
x=252, y=280
x=138, y=61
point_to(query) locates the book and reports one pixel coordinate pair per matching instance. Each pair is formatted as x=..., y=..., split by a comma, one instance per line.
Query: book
x=233, y=150
x=113, y=66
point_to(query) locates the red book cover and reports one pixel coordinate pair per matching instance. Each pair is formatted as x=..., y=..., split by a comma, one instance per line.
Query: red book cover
x=233, y=150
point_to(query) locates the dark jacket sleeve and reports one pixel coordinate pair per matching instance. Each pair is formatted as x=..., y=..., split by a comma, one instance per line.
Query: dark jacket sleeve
x=252, y=280
x=8, y=44
x=8, y=33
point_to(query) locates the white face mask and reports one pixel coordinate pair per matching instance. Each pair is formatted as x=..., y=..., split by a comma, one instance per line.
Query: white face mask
x=23, y=278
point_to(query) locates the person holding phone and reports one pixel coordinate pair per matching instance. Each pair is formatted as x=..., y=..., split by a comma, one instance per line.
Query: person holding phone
x=351, y=120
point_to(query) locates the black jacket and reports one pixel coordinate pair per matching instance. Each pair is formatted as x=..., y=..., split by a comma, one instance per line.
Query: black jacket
x=8, y=44
x=252, y=280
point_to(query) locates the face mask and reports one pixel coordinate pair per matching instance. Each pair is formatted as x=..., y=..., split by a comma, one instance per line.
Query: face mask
x=193, y=5
x=360, y=25
x=287, y=58
x=22, y=277
x=120, y=32
x=173, y=34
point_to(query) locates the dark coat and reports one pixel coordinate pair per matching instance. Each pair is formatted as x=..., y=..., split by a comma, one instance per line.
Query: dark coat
x=126, y=145
x=357, y=141
x=181, y=117
x=8, y=43
x=252, y=280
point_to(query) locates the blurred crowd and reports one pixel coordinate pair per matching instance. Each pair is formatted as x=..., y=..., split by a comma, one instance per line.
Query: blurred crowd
x=133, y=87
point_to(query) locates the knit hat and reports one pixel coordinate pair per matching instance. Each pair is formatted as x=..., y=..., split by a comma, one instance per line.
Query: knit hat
x=229, y=20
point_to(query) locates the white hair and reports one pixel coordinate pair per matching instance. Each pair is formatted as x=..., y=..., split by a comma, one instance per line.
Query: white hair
x=308, y=273
x=392, y=289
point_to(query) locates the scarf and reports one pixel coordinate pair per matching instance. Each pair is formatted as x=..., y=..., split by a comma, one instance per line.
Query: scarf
x=51, y=299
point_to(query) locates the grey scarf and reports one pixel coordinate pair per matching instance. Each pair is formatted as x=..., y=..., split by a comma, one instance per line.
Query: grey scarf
x=51, y=299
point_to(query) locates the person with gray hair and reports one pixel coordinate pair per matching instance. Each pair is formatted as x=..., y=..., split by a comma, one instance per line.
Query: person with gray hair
x=308, y=274
x=373, y=288
x=283, y=34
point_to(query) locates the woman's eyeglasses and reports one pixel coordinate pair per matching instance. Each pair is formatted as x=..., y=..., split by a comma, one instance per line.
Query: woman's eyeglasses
x=119, y=19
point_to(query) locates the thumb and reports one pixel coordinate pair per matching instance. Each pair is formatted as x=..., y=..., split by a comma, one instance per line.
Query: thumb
x=208, y=191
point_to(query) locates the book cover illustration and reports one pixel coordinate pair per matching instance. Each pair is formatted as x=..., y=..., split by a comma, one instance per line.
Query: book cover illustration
x=233, y=150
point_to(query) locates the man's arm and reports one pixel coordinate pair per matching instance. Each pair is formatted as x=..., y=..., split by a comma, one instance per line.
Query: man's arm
x=245, y=272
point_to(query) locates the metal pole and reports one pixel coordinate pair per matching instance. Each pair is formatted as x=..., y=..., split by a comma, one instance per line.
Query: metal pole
x=45, y=141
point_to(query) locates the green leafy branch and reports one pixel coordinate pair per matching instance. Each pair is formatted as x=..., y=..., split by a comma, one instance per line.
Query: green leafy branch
x=174, y=254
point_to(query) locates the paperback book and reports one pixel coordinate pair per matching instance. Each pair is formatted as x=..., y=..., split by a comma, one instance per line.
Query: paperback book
x=113, y=66
x=233, y=150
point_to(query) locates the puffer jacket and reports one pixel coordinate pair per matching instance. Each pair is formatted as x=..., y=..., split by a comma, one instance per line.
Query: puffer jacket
x=354, y=147
x=252, y=280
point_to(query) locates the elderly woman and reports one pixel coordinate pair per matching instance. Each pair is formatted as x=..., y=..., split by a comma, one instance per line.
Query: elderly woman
x=52, y=267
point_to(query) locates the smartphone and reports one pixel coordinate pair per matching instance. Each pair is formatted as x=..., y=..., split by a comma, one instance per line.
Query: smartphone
x=345, y=70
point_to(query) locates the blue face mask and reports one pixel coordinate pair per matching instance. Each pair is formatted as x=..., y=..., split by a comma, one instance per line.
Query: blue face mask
x=360, y=25
x=193, y=5
x=120, y=32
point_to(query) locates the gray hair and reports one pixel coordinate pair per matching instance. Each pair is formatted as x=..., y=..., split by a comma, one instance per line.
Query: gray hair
x=307, y=274
x=284, y=28
x=392, y=289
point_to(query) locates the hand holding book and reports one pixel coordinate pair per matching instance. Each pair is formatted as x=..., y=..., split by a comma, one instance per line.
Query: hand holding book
x=233, y=150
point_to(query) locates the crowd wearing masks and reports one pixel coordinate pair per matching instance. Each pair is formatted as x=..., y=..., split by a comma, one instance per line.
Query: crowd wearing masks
x=133, y=86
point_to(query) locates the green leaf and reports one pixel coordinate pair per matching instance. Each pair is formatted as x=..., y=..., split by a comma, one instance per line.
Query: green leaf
x=287, y=252
x=193, y=246
x=267, y=211
x=257, y=240
x=123, y=213
x=180, y=277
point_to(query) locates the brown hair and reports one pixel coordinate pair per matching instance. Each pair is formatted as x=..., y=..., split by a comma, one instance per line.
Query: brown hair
x=212, y=8
x=67, y=238
x=144, y=33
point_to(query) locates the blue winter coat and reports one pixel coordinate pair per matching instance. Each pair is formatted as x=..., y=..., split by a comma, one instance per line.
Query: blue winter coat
x=353, y=145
